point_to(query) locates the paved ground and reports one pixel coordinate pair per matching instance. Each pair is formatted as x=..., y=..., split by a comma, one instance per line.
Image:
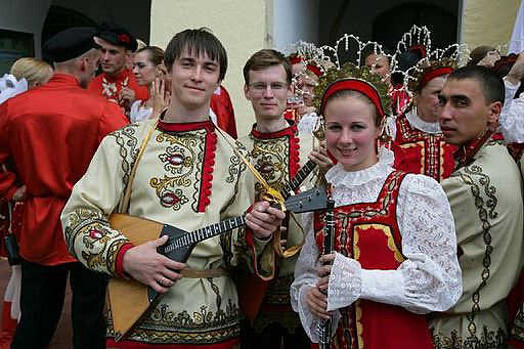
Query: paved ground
x=63, y=334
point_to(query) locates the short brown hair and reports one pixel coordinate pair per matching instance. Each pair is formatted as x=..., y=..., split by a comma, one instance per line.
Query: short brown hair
x=196, y=41
x=266, y=58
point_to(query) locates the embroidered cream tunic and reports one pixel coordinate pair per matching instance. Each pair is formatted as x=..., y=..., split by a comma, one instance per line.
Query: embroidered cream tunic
x=278, y=156
x=188, y=177
x=486, y=202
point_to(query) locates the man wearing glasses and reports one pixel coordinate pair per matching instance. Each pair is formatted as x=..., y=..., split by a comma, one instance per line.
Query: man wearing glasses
x=277, y=153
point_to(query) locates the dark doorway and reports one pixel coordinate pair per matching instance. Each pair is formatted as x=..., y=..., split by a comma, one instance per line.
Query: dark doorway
x=389, y=26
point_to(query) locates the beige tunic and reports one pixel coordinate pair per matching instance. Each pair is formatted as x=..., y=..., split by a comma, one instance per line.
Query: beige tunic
x=486, y=202
x=278, y=156
x=189, y=177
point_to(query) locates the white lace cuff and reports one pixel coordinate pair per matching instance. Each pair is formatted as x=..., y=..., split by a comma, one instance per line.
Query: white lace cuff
x=344, y=285
x=383, y=286
x=309, y=321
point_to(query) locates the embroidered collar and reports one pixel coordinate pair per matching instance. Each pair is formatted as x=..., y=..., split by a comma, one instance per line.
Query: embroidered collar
x=185, y=126
x=290, y=131
x=338, y=177
x=416, y=121
x=465, y=154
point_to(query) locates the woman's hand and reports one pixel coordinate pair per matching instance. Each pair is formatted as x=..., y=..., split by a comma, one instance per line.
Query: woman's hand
x=316, y=298
x=159, y=96
x=319, y=156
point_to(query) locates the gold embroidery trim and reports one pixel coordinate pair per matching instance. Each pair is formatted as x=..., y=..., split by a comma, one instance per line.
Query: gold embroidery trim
x=387, y=232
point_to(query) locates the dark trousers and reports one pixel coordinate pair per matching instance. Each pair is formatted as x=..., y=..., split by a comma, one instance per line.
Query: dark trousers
x=274, y=336
x=42, y=299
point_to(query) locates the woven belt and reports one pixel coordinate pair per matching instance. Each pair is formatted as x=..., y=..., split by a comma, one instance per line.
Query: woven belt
x=203, y=274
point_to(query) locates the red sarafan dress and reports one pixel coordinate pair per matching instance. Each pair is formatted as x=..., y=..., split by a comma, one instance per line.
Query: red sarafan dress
x=421, y=150
x=395, y=259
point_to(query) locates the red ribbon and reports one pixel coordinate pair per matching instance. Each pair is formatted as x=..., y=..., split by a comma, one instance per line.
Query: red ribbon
x=295, y=59
x=353, y=85
x=433, y=74
x=314, y=69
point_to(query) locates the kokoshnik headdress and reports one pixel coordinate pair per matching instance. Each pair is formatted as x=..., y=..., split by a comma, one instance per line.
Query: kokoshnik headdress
x=428, y=64
x=349, y=72
x=311, y=57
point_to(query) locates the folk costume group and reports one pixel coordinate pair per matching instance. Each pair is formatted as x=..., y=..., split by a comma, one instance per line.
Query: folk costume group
x=427, y=227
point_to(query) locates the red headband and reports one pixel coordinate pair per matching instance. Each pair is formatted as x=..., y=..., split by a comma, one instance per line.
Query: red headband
x=295, y=59
x=354, y=85
x=433, y=74
x=314, y=69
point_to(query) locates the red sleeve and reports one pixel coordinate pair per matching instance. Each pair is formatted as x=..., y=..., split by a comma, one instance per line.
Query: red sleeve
x=119, y=263
x=8, y=178
x=223, y=109
x=95, y=86
x=111, y=120
x=141, y=93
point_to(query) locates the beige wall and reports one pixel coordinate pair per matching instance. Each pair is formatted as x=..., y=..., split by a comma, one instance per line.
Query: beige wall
x=239, y=24
x=488, y=22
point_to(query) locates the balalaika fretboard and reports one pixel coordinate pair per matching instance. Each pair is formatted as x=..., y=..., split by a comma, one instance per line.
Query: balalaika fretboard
x=298, y=179
x=205, y=233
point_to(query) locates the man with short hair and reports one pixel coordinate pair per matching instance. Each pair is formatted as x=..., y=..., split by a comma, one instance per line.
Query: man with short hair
x=117, y=83
x=50, y=134
x=485, y=197
x=277, y=151
x=188, y=175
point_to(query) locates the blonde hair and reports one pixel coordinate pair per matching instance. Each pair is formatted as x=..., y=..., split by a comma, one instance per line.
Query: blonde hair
x=34, y=70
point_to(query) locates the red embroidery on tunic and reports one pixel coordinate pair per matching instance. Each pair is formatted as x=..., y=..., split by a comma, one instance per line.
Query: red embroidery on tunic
x=207, y=171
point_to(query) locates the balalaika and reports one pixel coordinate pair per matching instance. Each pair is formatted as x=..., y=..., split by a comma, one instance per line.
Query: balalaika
x=328, y=248
x=131, y=301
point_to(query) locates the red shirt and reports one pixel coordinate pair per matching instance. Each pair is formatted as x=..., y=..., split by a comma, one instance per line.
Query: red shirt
x=223, y=108
x=109, y=87
x=49, y=135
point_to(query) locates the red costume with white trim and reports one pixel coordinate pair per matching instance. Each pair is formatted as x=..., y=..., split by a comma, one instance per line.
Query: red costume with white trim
x=369, y=233
x=109, y=87
x=421, y=152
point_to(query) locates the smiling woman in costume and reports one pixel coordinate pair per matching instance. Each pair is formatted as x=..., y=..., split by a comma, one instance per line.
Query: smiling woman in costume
x=149, y=70
x=395, y=248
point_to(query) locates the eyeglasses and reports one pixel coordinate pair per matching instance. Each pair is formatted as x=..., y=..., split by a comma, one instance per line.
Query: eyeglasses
x=276, y=87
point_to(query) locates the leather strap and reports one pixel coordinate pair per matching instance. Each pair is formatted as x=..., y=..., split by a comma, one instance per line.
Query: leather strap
x=124, y=204
x=203, y=274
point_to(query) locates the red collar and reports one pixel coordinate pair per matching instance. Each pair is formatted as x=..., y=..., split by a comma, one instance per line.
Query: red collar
x=121, y=76
x=185, y=126
x=464, y=154
x=289, y=131
x=65, y=79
